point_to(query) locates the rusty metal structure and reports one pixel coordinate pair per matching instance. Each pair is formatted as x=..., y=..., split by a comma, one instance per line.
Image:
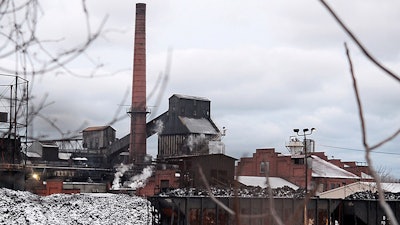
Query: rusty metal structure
x=13, y=129
x=205, y=211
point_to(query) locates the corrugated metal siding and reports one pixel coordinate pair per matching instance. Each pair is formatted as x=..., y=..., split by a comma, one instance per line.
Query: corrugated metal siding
x=177, y=145
x=171, y=145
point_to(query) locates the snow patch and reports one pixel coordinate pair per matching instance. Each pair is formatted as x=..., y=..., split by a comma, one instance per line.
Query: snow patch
x=21, y=207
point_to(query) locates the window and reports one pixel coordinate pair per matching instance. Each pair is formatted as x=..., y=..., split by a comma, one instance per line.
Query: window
x=96, y=143
x=298, y=161
x=264, y=167
x=164, y=185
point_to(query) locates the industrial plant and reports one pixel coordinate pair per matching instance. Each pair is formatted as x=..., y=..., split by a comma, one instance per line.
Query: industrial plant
x=191, y=155
x=188, y=139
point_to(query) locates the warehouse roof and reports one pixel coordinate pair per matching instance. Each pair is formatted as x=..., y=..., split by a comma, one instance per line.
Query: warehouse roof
x=275, y=182
x=190, y=97
x=198, y=126
x=322, y=168
x=97, y=128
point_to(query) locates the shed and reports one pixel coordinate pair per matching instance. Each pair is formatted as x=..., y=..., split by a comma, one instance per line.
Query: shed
x=98, y=137
x=47, y=151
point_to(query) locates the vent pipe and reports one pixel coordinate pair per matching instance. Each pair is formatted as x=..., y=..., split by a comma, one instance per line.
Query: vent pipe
x=137, y=144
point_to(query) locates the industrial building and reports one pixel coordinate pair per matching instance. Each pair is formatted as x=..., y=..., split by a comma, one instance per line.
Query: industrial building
x=190, y=154
x=186, y=128
x=187, y=141
x=322, y=174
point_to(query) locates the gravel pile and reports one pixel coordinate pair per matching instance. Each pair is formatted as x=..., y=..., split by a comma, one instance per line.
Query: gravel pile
x=19, y=207
x=368, y=195
x=248, y=192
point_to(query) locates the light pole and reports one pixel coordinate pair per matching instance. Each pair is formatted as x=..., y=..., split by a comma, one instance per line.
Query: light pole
x=306, y=132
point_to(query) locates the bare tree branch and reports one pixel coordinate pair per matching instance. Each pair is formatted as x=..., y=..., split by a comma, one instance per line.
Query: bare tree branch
x=163, y=82
x=219, y=203
x=391, y=137
x=272, y=210
x=236, y=212
x=358, y=43
x=374, y=174
x=32, y=56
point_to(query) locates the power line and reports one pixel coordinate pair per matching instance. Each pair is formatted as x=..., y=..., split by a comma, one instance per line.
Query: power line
x=359, y=150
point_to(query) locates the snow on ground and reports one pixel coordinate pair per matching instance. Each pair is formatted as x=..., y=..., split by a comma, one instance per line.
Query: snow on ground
x=20, y=207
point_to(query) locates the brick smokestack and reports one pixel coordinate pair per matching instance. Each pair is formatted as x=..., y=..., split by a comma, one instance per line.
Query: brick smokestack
x=137, y=144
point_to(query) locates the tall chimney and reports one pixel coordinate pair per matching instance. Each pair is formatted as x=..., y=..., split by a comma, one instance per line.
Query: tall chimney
x=137, y=144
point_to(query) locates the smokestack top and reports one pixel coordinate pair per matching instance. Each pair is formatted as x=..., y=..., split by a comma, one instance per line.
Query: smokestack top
x=140, y=6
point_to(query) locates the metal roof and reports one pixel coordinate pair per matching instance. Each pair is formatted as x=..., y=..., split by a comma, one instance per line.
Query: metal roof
x=346, y=190
x=322, y=168
x=48, y=144
x=190, y=97
x=33, y=155
x=64, y=155
x=275, y=182
x=198, y=126
x=96, y=128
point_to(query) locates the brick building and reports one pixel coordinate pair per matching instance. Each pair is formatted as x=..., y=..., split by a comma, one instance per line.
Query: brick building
x=323, y=174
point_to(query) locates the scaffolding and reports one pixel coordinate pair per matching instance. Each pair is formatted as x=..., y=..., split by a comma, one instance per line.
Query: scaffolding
x=14, y=96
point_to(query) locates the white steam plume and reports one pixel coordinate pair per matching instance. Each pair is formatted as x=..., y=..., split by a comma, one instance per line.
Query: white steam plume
x=140, y=180
x=121, y=169
x=159, y=127
x=192, y=141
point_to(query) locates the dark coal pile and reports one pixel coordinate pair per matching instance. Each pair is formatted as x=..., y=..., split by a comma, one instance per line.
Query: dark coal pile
x=247, y=192
x=20, y=207
x=369, y=195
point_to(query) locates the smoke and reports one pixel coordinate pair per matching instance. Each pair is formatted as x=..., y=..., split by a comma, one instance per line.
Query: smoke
x=194, y=140
x=121, y=169
x=159, y=127
x=134, y=182
x=140, y=180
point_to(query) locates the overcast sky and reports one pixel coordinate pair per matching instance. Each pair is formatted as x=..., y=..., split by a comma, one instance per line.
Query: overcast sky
x=266, y=66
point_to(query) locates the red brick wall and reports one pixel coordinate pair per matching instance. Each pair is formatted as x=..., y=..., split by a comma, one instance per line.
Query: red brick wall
x=285, y=167
x=153, y=185
x=54, y=187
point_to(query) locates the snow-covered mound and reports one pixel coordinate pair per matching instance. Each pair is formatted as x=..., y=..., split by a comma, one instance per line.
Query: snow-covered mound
x=283, y=192
x=368, y=195
x=19, y=207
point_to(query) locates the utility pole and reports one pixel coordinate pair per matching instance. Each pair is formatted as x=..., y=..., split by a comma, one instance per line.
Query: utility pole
x=306, y=132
